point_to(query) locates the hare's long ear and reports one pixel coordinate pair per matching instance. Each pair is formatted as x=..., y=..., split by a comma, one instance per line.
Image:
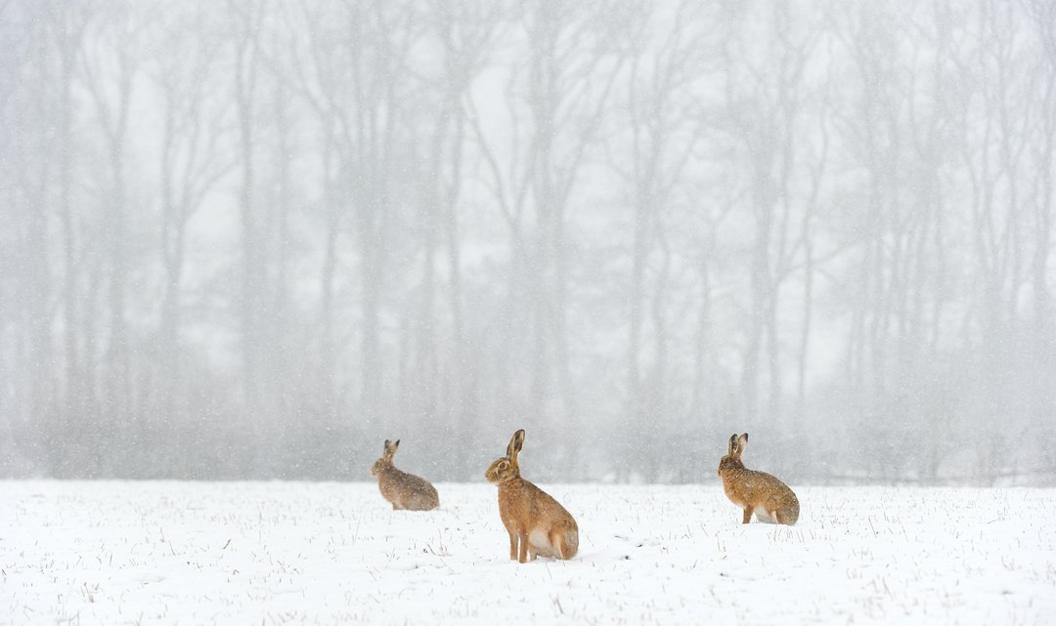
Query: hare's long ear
x=390, y=448
x=732, y=448
x=742, y=441
x=515, y=445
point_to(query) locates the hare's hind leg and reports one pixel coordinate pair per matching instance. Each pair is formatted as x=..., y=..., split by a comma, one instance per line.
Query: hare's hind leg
x=786, y=516
x=747, y=514
x=565, y=543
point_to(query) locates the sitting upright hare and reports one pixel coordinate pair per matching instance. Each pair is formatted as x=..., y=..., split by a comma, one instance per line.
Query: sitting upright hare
x=403, y=490
x=768, y=497
x=536, y=523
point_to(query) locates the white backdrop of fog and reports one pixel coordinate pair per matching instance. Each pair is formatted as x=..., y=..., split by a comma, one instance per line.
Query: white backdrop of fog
x=252, y=239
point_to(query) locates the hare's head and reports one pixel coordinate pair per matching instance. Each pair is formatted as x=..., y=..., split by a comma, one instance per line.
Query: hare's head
x=386, y=457
x=734, y=451
x=506, y=468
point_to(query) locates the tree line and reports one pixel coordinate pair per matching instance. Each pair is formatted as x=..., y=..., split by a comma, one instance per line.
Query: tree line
x=253, y=239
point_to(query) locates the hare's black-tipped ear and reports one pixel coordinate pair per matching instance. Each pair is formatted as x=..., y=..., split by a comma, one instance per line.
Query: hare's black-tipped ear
x=733, y=443
x=387, y=444
x=515, y=445
x=397, y=444
x=742, y=441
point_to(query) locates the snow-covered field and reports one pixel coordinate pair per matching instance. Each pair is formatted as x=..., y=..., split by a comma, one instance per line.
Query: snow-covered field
x=276, y=553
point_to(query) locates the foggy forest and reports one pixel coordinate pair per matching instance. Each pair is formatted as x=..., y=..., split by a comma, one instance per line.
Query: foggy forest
x=252, y=239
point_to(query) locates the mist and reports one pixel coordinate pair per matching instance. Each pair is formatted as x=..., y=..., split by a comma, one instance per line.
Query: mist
x=254, y=239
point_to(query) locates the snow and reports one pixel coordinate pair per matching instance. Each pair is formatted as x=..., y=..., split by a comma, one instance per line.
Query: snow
x=275, y=553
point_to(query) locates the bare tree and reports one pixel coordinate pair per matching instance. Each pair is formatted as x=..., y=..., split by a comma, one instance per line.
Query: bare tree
x=766, y=95
x=560, y=93
x=192, y=162
x=664, y=130
x=109, y=75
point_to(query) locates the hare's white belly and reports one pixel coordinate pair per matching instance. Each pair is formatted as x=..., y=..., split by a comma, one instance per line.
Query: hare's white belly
x=540, y=541
x=765, y=516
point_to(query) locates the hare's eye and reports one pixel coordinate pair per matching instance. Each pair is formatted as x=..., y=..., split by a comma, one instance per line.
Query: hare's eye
x=503, y=465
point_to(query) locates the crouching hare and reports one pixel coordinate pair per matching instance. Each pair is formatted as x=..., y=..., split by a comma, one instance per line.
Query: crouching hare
x=770, y=499
x=536, y=523
x=403, y=490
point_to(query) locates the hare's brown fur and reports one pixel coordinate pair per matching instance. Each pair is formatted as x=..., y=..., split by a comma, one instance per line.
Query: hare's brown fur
x=754, y=491
x=403, y=490
x=535, y=522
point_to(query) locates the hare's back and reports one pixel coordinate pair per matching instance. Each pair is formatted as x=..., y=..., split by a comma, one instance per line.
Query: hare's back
x=750, y=487
x=544, y=506
x=417, y=493
x=417, y=484
x=775, y=490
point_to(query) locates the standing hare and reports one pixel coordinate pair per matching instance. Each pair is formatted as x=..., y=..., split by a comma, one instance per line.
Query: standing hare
x=403, y=490
x=759, y=492
x=536, y=523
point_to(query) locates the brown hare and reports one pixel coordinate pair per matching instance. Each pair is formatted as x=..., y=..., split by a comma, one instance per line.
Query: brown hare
x=403, y=490
x=536, y=523
x=770, y=499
